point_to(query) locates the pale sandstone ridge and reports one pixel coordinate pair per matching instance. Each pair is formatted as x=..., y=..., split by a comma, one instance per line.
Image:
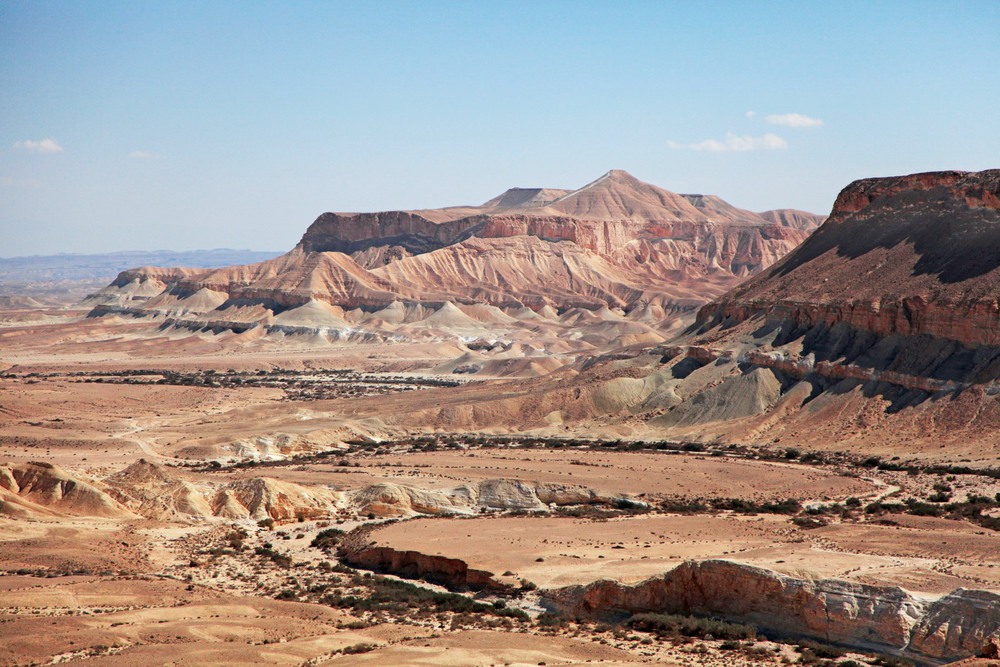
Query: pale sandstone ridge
x=154, y=491
x=789, y=217
x=31, y=490
x=615, y=243
x=876, y=618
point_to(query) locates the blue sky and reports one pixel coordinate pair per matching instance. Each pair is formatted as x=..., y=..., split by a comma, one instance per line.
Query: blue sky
x=184, y=125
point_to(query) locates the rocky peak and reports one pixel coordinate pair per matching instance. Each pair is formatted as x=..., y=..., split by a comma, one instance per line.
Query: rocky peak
x=617, y=195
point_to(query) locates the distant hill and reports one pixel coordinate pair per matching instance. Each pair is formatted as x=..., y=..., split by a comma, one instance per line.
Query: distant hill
x=69, y=277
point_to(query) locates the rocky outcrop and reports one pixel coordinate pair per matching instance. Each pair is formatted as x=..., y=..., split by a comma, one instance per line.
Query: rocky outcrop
x=875, y=618
x=262, y=498
x=452, y=573
x=895, y=295
x=32, y=490
x=790, y=217
x=911, y=255
x=394, y=500
x=349, y=233
x=155, y=491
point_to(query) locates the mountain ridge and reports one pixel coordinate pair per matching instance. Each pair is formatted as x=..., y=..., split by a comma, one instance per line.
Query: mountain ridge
x=616, y=243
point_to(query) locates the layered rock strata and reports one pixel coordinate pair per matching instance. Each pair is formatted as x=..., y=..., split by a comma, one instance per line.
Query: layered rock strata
x=873, y=618
x=615, y=243
x=914, y=255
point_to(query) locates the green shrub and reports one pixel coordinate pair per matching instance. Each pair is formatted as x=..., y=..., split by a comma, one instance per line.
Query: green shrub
x=354, y=649
x=690, y=626
x=327, y=539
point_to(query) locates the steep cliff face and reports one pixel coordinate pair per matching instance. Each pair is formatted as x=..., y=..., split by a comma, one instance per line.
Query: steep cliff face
x=450, y=572
x=911, y=255
x=348, y=233
x=895, y=296
x=884, y=619
x=616, y=242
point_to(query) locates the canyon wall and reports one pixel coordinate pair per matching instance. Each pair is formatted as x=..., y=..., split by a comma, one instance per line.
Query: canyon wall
x=872, y=618
x=910, y=255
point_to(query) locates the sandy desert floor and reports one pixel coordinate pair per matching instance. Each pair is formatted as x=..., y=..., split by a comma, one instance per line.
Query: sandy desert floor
x=129, y=587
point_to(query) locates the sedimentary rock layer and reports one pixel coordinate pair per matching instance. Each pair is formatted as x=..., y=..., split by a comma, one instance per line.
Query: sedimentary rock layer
x=616, y=243
x=879, y=618
x=911, y=255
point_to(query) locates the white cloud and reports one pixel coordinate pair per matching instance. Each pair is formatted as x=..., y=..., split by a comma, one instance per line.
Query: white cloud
x=144, y=155
x=44, y=146
x=734, y=144
x=751, y=114
x=793, y=120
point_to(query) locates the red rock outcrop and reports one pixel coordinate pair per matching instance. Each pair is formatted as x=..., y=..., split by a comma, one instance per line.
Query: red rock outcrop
x=899, y=287
x=911, y=255
x=880, y=618
x=452, y=573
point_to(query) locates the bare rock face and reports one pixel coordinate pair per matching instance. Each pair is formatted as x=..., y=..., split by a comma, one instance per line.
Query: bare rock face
x=898, y=288
x=910, y=255
x=615, y=243
x=788, y=217
x=32, y=490
x=266, y=498
x=450, y=572
x=884, y=619
x=151, y=490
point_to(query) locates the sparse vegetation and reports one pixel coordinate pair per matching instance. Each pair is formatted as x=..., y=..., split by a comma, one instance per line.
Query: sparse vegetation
x=328, y=539
x=391, y=595
x=666, y=625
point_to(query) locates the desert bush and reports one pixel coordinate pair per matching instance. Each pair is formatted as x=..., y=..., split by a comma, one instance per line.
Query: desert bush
x=690, y=626
x=683, y=506
x=809, y=522
x=279, y=559
x=287, y=594
x=551, y=619
x=399, y=597
x=744, y=506
x=364, y=647
x=327, y=539
x=813, y=650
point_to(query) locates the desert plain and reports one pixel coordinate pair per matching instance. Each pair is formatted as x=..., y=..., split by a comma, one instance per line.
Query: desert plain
x=383, y=449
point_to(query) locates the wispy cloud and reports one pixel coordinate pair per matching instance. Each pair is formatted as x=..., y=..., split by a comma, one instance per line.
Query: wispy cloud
x=48, y=145
x=734, y=143
x=751, y=114
x=793, y=120
x=144, y=155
